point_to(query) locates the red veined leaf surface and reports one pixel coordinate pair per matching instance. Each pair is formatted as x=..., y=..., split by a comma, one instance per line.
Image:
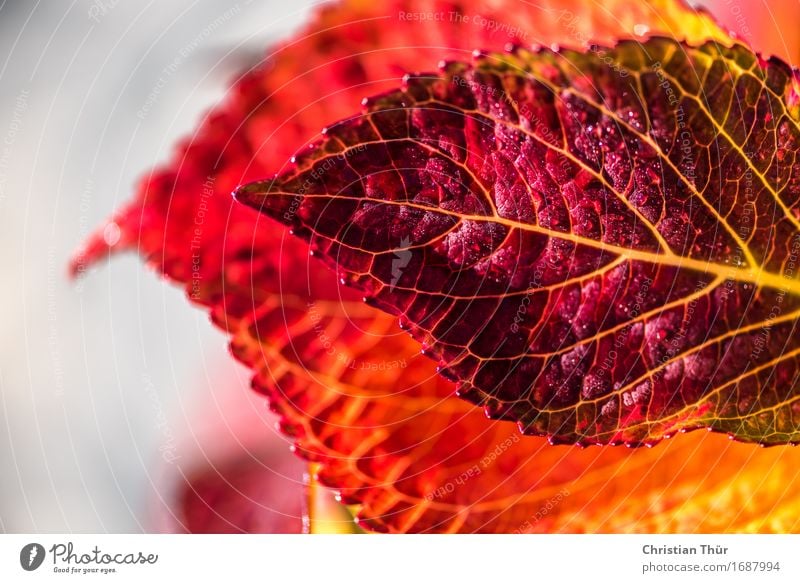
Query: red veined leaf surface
x=761, y=24
x=267, y=116
x=601, y=246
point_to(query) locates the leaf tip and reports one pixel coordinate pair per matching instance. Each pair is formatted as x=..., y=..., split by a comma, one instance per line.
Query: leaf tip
x=102, y=242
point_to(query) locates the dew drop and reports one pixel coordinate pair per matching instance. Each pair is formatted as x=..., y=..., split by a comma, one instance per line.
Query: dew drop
x=640, y=29
x=111, y=234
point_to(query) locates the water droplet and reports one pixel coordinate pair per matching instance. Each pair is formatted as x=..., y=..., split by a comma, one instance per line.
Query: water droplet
x=640, y=29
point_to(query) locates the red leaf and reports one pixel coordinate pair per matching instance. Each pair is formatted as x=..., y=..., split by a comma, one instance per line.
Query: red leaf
x=600, y=246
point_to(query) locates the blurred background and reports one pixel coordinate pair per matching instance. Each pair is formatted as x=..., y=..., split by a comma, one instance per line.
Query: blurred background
x=113, y=389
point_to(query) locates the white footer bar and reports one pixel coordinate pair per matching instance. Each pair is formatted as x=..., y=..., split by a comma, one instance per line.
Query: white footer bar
x=402, y=559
